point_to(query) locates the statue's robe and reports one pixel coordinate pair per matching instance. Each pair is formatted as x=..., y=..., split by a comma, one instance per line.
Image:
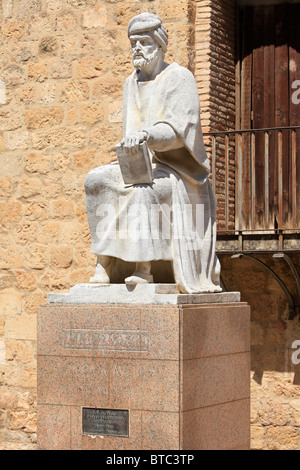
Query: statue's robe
x=180, y=183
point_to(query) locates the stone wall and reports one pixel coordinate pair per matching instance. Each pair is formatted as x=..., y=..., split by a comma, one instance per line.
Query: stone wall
x=63, y=66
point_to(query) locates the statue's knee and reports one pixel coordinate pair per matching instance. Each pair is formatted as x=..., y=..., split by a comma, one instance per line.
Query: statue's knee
x=89, y=182
x=98, y=178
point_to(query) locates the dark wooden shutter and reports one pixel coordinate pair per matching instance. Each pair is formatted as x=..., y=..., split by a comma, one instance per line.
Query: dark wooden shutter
x=270, y=64
x=294, y=75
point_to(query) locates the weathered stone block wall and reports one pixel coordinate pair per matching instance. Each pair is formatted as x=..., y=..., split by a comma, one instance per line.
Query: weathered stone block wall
x=63, y=66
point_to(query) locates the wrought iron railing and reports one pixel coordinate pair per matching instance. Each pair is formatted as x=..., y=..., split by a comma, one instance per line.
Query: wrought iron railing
x=256, y=179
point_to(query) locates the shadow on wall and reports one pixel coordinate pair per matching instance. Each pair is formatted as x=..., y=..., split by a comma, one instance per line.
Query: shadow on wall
x=162, y=271
x=273, y=334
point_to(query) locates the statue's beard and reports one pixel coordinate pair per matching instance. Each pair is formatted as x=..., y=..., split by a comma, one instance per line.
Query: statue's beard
x=144, y=61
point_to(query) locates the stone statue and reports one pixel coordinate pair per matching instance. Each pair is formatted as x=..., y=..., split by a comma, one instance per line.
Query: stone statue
x=160, y=107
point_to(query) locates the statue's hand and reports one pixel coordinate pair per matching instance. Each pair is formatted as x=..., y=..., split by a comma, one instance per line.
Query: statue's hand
x=132, y=142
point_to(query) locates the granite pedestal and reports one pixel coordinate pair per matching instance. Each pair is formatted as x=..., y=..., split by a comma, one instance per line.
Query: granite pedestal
x=166, y=373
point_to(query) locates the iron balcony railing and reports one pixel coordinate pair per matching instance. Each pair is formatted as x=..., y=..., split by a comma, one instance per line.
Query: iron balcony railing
x=255, y=176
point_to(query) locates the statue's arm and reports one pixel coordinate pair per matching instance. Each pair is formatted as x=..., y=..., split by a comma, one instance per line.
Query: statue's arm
x=162, y=137
x=179, y=123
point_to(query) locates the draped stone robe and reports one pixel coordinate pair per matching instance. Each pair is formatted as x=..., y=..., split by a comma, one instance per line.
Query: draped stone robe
x=181, y=189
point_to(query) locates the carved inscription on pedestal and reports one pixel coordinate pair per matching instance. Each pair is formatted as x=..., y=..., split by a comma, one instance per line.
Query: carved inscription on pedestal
x=106, y=340
x=99, y=421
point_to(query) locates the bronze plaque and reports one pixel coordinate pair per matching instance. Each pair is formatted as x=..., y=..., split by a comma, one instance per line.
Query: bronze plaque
x=105, y=422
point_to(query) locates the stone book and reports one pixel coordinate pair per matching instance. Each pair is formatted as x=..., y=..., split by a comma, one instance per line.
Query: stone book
x=137, y=168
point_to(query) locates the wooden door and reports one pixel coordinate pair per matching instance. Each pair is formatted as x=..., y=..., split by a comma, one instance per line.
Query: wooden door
x=269, y=46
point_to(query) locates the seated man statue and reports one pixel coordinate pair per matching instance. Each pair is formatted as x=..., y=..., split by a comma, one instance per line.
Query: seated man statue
x=161, y=107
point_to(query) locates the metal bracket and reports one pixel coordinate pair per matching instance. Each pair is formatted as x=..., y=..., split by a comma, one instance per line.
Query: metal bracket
x=295, y=274
x=293, y=308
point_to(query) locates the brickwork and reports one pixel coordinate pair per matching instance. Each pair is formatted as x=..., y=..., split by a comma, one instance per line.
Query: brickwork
x=215, y=75
x=215, y=63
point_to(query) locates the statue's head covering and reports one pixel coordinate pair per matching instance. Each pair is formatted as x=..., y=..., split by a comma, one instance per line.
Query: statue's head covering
x=149, y=22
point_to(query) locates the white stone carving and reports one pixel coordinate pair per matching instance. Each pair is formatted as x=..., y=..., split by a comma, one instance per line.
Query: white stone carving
x=174, y=218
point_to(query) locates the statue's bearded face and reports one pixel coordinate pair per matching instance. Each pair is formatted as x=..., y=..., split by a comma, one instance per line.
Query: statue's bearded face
x=144, y=49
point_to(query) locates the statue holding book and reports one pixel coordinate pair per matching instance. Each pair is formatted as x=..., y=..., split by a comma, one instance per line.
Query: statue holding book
x=156, y=202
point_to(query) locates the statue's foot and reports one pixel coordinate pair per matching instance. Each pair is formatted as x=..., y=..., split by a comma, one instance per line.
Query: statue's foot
x=139, y=278
x=101, y=279
x=103, y=270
